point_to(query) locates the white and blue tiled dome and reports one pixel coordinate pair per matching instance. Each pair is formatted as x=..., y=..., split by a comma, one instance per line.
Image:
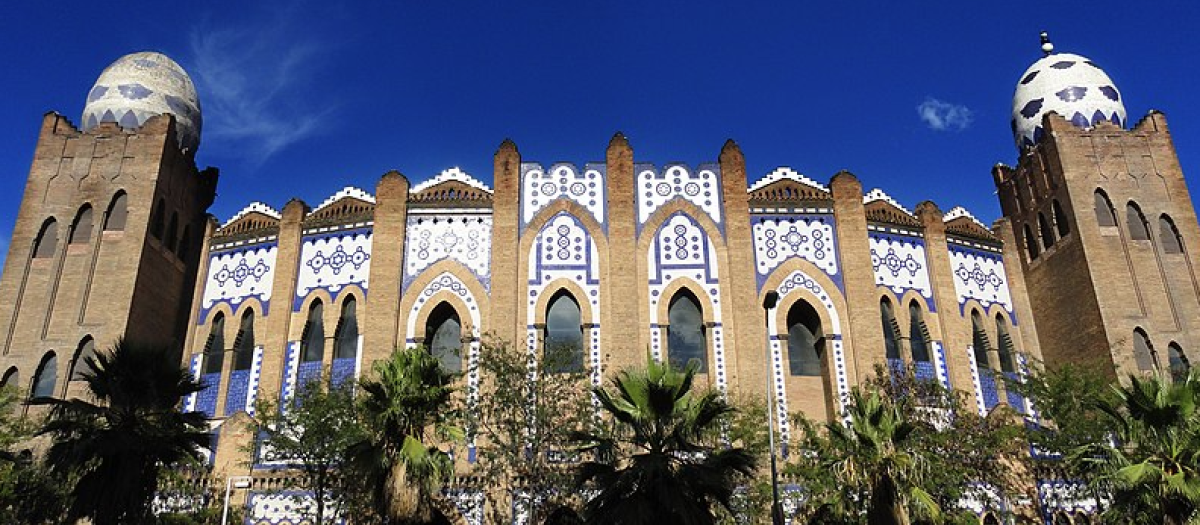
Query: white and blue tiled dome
x=142, y=85
x=1070, y=85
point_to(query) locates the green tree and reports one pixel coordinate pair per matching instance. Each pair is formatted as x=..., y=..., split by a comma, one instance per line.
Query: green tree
x=660, y=461
x=1150, y=468
x=525, y=416
x=28, y=494
x=313, y=431
x=117, y=443
x=406, y=406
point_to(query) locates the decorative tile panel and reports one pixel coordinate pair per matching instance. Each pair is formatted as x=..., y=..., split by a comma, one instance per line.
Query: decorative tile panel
x=778, y=238
x=331, y=262
x=540, y=187
x=291, y=366
x=468, y=502
x=980, y=275
x=347, y=368
x=206, y=400
x=189, y=401
x=243, y=386
x=976, y=381
x=899, y=264
x=285, y=507
x=1072, y=496
x=463, y=237
x=701, y=187
x=785, y=173
x=237, y=275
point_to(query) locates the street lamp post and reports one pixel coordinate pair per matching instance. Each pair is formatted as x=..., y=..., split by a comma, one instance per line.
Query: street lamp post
x=770, y=300
x=241, y=482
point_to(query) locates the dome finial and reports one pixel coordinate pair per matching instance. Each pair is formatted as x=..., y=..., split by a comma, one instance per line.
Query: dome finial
x=1047, y=47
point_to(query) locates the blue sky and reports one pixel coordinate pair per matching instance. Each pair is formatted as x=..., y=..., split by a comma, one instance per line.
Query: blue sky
x=301, y=99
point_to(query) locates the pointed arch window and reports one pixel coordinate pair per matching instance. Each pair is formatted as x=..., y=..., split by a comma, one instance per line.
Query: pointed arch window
x=47, y=376
x=158, y=220
x=1168, y=235
x=81, y=229
x=917, y=338
x=564, y=333
x=687, y=339
x=312, y=343
x=1136, y=222
x=185, y=242
x=84, y=357
x=243, y=344
x=806, y=340
x=1060, y=219
x=47, y=240
x=443, y=337
x=891, y=329
x=1143, y=351
x=1031, y=243
x=979, y=341
x=12, y=378
x=1106, y=215
x=1178, y=362
x=172, y=234
x=1005, y=349
x=214, y=348
x=345, y=343
x=1046, y=231
x=118, y=211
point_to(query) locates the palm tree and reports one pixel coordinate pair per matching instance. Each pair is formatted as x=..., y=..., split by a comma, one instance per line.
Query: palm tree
x=117, y=442
x=1151, y=467
x=657, y=464
x=876, y=451
x=405, y=407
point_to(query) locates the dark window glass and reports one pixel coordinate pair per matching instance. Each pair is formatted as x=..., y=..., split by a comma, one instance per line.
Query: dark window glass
x=1005, y=347
x=345, y=344
x=979, y=341
x=313, y=343
x=1136, y=222
x=1143, y=352
x=47, y=240
x=117, y=213
x=686, y=337
x=1031, y=244
x=443, y=337
x=1105, y=214
x=564, y=334
x=916, y=333
x=1046, y=231
x=158, y=220
x=1168, y=235
x=172, y=232
x=185, y=242
x=82, y=366
x=243, y=344
x=806, y=341
x=1060, y=219
x=1178, y=362
x=47, y=376
x=891, y=336
x=81, y=231
x=214, y=348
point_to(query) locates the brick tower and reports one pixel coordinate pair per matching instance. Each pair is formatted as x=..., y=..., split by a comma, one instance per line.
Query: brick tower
x=109, y=231
x=1103, y=221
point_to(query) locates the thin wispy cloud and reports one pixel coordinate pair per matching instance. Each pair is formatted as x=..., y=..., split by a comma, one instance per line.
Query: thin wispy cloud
x=944, y=116
x=251, y=81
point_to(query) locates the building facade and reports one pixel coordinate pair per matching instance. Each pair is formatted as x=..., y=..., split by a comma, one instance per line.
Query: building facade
x=615, y=258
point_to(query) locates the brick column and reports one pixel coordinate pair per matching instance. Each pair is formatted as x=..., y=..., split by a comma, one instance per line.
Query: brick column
x=283, y=291
x=624, y=334
x=506, y=317
x=864, y=347
x=745, y=332
x=955, y=329
x=382, y=320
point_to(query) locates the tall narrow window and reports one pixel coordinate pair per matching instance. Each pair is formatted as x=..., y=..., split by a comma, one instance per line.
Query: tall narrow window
x=1105, y=214
x=81, y=230
x=891, y=334
x=214, y=348
x=1031, y=243
x=806, y=340
x=686, y=337
x=47, y=240
x=313, y=341
x=443, y=337
x=12, y=378
x=1005, y=348
x=158, y=219
x=172, y=234
x=1143, y=351
x=1136, y=222
x=916, y=333
x=84, y=357
x=1060, y=219
x=1046, y=231
x=114, y=220
x=47, y=376
x=1179, y=362
x=346, y=339
x=1168, y=235
x=979, y=340
x=564, y=334
x=185, y=243
x=243, y=344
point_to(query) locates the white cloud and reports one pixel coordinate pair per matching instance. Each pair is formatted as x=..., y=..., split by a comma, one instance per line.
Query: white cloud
x=943, y=116
x=251, y=81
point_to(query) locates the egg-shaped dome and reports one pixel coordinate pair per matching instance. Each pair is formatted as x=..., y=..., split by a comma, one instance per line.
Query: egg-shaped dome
x=142, y=85
x=1070, y=85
